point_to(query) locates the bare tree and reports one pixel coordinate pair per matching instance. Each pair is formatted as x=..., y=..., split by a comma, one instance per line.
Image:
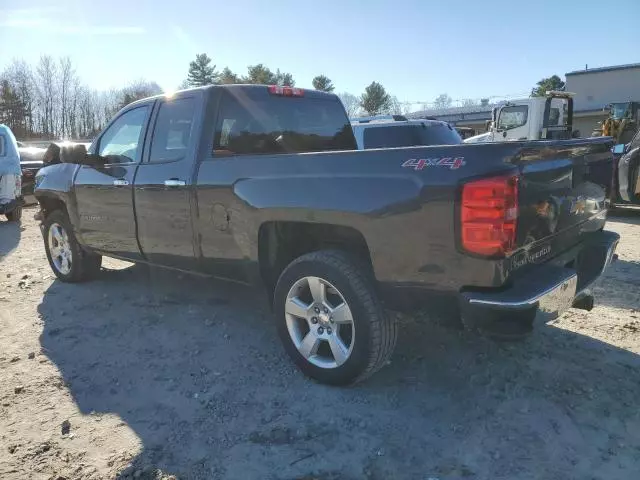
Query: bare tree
x=66, y=82
x=395, y=107
x=351, y=103
x=45, y=76
x=442, y=101
x=20, y=77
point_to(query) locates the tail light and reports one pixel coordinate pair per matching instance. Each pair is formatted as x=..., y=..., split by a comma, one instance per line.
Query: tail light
x=489, y=214
x=285, y=91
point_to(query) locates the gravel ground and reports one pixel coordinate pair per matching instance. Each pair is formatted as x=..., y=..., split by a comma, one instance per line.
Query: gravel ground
x=149, y=374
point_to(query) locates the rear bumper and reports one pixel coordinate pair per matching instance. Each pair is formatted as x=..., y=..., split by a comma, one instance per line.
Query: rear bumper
x=543, y=294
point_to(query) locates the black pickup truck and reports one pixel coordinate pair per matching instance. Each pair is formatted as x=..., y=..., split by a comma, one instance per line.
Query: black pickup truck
x=264, y=185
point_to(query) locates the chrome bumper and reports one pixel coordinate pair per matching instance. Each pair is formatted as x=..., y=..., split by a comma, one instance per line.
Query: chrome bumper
x=543, y=295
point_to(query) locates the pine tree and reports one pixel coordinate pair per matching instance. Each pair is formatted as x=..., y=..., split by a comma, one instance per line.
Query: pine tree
x=227, y=77
x=375, y=99
x=201, y=72
x=323, y=83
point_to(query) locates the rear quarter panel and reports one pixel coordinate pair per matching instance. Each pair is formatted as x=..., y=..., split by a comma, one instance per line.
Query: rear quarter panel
x=405, y=213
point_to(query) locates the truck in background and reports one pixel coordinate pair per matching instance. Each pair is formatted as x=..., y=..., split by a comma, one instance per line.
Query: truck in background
x=536, y=118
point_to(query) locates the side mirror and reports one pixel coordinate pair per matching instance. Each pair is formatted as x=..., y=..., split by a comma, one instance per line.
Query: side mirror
x=618, y=149
x=51, y=155
x=73, y=154
x=93, y=160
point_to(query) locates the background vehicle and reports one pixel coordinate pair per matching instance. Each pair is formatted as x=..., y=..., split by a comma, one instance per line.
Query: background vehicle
x=622, y=123
x=396, y=131
x=483, y=137
x=30, y=163
x=465, y=132
x=264, y=185
x=536, y=118
x=11, y=200
x=627, y=178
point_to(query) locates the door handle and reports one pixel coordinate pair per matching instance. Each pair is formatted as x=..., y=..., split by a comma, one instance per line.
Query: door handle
x=121, y=182
x=174, y=182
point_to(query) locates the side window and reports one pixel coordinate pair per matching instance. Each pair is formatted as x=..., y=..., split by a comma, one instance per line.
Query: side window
x=2, y=147
x=121, y=140
x=513, y=117
x=172, y=131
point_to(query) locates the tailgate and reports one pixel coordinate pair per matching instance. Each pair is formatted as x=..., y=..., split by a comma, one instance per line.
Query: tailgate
x=558, y=202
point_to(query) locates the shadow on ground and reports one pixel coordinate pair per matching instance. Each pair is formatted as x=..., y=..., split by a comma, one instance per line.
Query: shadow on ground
x=196, y=370
x=9, y=237
x=626, y=294
x=630, y=215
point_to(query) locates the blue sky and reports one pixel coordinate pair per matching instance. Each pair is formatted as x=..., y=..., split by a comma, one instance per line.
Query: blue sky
x=416, y=48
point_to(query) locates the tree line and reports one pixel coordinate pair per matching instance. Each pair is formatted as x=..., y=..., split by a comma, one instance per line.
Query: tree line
x=375, y=99
x=48, y=100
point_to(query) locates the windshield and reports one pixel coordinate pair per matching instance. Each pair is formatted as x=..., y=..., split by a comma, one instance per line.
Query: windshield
x=426, y=133
x=619, y=110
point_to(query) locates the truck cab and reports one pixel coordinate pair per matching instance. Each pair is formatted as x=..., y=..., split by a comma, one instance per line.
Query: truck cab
x=536, y=118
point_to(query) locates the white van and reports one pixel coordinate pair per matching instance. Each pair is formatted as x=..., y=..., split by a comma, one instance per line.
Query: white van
x=10, y=176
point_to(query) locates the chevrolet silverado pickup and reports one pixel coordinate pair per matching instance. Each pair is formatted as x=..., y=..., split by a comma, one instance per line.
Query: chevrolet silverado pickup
x=265, y=185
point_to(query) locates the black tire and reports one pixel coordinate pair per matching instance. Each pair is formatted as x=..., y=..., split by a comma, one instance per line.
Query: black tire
x=84, y=265
x=375, y=333
x=15, y=215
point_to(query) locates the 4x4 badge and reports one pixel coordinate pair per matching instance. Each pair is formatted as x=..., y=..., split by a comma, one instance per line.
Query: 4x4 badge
x=419, y=163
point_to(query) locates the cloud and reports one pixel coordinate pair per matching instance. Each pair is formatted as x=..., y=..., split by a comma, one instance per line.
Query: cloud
x=43, y=21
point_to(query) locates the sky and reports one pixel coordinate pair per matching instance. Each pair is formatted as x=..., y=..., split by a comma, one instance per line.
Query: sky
x=417, y=49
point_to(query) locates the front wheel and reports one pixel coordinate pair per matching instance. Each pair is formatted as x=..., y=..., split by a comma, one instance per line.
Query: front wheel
x=330, y=320
x=67, y=259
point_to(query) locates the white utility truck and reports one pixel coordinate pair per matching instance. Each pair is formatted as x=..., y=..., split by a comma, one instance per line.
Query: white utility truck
x=536, y=118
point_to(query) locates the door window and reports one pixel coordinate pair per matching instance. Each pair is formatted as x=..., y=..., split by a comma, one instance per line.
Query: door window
x=513, y=117
x=121, y=140
x=173, y=130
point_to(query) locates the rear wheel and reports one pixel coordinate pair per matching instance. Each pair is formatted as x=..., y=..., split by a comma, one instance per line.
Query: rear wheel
x=67, y=259
x=330, y=320
x=15, y=215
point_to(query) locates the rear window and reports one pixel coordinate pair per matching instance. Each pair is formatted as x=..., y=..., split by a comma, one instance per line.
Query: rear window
x=276, y=124
x=410, y=135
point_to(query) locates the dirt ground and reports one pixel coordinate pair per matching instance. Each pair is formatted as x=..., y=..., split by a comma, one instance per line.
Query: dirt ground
x=148, y=374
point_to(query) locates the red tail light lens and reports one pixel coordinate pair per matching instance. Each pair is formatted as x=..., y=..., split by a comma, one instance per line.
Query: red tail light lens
x=489, y=214
x=285, y=91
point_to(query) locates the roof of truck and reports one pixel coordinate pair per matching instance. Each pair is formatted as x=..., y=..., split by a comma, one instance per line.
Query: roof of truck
x=308, y=92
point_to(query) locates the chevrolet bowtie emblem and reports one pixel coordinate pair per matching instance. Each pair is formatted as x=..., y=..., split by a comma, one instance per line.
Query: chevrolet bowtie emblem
x=578, y=206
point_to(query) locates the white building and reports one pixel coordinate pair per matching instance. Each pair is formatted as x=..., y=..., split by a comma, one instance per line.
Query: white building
x=597, y=87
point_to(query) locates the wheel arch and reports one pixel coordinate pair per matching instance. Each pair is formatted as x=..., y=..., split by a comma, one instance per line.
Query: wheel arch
x=281, y=242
